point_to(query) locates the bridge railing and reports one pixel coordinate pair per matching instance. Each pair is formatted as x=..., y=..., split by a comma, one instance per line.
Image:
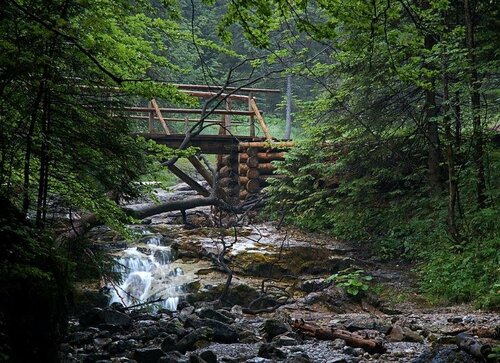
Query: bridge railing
x=167, y=116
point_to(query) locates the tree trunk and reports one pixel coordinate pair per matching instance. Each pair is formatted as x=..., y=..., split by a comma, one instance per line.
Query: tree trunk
x=478, y=152
x=431, y=129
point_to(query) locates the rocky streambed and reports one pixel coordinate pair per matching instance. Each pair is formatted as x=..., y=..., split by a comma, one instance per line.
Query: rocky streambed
x=279, y=288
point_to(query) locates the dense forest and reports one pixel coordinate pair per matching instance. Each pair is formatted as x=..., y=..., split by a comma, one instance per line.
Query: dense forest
x=396, y=128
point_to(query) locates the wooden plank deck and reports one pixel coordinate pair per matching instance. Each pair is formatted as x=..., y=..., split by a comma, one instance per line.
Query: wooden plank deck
x=209, y=144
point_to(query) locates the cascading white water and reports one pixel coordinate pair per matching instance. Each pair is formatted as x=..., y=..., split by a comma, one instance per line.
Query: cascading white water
x=147, y=275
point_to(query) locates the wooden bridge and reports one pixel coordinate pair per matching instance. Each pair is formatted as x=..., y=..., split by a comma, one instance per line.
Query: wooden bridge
x=235, y=131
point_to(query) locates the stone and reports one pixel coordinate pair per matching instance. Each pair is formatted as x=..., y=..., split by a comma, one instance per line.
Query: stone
x=222, y=333
x=80, y=338
x=173, y=357
x=121, y=346
x=444, y=355
x=195, y=339
x=283, y=340
x=396, y=334
x=174, y=326
x=209, y=356
x=214, y=315
x=95, y=357
x=274, y=327
x=269, y=351
x=102, y=342
x=194, y=358
x=148, y=355
x=169, y=343
x=91, y=317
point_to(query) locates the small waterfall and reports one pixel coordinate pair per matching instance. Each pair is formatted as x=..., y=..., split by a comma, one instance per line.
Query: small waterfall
x=147, y=275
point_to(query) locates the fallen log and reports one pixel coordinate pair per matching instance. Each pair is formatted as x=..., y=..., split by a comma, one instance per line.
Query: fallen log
x=151, y=210
x=472, y=346
x=351, y=339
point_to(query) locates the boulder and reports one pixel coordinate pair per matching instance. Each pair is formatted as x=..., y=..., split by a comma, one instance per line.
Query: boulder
x=274, y=327
x=269, y=351
x=173, y=357
x=148, y=355
x=169, y=343
x=209, y=356
x=208, y=313
x=196, y=339
x=222, y=333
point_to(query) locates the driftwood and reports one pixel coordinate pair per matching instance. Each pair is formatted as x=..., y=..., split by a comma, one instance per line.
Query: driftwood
x=351, y=339
x=472, y=346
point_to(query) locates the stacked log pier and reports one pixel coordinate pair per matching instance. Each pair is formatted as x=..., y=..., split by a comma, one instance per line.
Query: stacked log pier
x=227, y=167
x=255, y=168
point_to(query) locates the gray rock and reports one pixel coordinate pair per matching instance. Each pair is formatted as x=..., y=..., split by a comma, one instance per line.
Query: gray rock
x=283, y=340
x=173, y=357
x=174, y=326
x=209, y=356
x=274, y=327
x=215, y=315
x=269, y=351
x=192, y=340
x=121, y=346
x=194, y=358
x=95, y=357
x=148, y=355
x=169, y=343
x=222, y=333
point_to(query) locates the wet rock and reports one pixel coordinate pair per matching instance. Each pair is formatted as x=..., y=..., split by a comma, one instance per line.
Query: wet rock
x=222, y=333
x=98, y=316
x=173, y=357
x=80, y=338
x=209, y=356
x=194, y=358
x=274, y=327
x=95, y=357
x=102, y=342
x=110, y=328
x=196, y=339
x=215, y=315
x=169, y=343
x=174, y=326
x=269, y=351
x=91, y=317
x=148, y=355
x=121, y=346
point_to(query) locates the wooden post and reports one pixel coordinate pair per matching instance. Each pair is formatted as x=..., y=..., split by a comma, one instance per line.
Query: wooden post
x=200, y=168
x=160, y=117
x=260, y=119
x=151, y=118
x=251, y=117
x=227, y=118
x=188, y=180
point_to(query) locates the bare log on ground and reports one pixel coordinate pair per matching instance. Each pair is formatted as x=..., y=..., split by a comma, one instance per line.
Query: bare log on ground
x=151, y=210
x=351, y=339
x=472, y=346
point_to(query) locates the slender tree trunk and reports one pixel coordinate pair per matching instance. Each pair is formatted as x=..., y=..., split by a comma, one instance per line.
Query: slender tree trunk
x=450, y=160
x=29, y=145
x=288, y=127
x=477, y=137
x=431, y=125
x=44, y=161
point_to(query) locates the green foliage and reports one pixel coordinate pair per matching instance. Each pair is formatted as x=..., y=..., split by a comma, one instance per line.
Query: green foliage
x=355, y=282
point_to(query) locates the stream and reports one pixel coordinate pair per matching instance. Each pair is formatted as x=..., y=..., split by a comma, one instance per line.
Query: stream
x=279, y=279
